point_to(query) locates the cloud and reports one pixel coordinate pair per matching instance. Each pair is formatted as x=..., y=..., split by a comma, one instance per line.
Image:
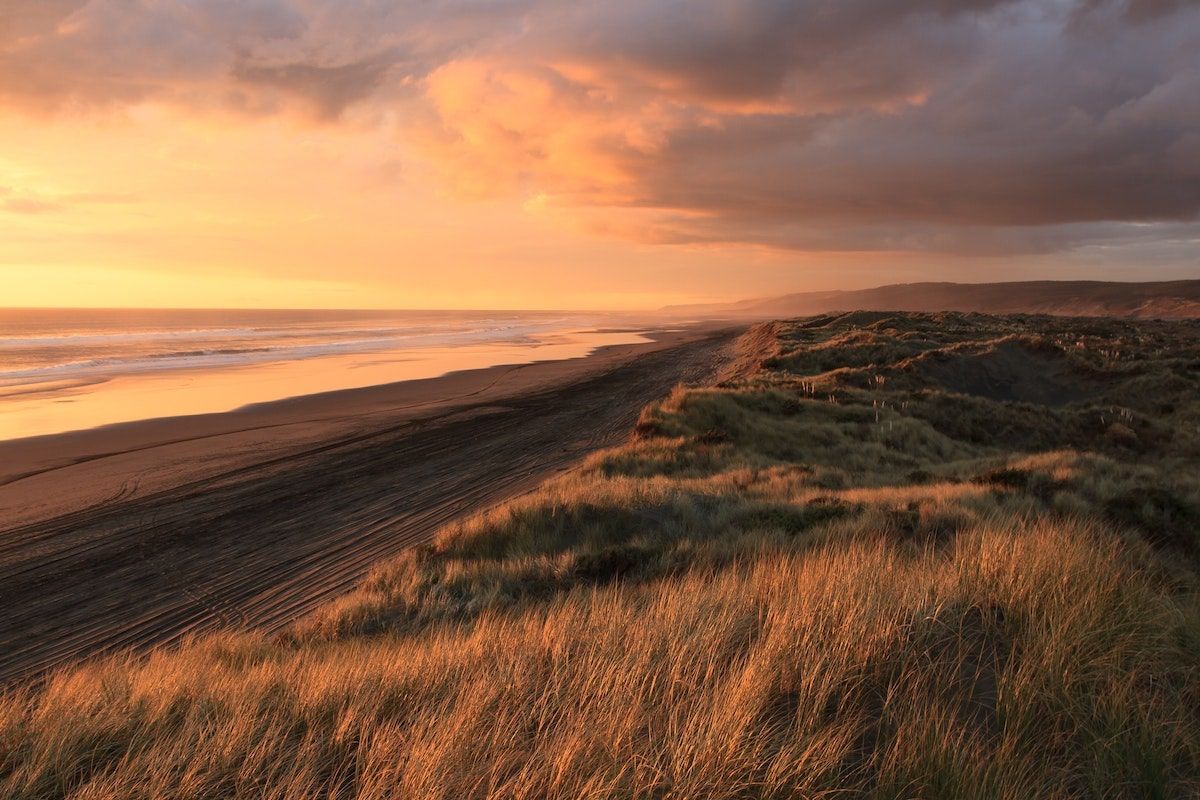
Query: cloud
x=29, y=202
x=935, y=125
x=28, y=205
x=244, y=54
x=24, y=18
x=855, y=125
x=847, y=126
x=329, y=89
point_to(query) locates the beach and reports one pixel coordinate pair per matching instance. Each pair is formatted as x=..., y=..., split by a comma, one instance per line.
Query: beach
x=66, y=370
x=143, y=532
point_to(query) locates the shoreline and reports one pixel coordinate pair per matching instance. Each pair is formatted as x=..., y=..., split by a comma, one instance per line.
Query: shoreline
x=139, y=533
x=133, y=388
x=24, y=460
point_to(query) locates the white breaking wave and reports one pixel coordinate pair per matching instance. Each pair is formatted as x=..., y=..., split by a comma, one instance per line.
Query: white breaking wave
x=106, y=339
x=370, y=340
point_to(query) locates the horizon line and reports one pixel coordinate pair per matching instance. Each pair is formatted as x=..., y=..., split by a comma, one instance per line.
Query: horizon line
x=481, y=309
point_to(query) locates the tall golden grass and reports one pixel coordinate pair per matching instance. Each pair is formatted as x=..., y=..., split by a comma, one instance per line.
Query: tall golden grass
x=767, y=594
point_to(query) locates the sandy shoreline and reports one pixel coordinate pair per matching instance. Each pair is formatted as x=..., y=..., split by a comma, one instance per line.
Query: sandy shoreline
x=114, y=387
x=138, y=533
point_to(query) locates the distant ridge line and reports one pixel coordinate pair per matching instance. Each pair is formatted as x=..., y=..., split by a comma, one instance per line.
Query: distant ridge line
x=1143, y=300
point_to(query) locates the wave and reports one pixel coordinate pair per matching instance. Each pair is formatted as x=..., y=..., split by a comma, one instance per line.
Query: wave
x=297, y=331
x=198, y=358
x=88, y=339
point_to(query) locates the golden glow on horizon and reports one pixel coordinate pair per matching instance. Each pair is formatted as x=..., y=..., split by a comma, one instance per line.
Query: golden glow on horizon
x=156, y=208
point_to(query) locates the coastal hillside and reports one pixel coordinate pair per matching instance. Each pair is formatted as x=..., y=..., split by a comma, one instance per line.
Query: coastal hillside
x=1157, y=300
x=887, y=555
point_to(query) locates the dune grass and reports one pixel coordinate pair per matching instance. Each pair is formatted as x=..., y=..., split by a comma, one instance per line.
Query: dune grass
x=855, y=577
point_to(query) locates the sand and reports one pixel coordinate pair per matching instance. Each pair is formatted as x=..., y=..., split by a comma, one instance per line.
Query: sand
x=138, y=534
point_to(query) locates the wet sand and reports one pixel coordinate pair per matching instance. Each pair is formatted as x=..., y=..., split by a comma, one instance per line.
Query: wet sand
x=137, y=534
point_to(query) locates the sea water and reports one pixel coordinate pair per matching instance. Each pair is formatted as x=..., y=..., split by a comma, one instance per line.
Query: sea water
x=68, y=369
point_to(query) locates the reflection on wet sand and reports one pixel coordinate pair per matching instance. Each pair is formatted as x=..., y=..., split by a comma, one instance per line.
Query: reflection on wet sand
x=60, y=406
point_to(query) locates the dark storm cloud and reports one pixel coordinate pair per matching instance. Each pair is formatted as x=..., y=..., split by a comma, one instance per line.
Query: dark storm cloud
x=737, y=50
x=942, y=125
x=944, y=118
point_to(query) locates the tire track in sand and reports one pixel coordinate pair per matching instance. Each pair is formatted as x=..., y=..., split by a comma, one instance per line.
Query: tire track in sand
x=264, y=544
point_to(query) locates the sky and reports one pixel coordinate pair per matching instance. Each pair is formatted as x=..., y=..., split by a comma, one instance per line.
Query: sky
x=589, y=154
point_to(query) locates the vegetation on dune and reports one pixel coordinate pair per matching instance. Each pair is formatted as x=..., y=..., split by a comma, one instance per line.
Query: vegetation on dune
x=864, y=568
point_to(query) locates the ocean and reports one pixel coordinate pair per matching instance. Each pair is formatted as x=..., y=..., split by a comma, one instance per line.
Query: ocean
x=64, y=369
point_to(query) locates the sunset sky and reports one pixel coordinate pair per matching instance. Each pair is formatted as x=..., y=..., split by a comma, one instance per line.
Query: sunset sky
x=596, y=154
